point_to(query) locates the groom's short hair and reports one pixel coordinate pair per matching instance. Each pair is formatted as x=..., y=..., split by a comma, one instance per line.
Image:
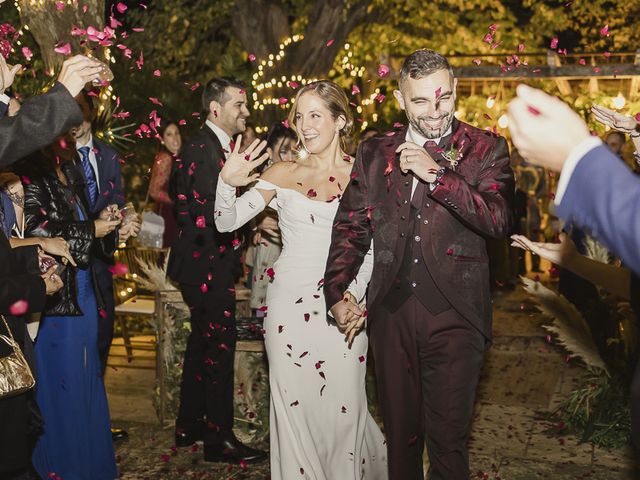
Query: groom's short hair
x=215, y=90
x=423, y=62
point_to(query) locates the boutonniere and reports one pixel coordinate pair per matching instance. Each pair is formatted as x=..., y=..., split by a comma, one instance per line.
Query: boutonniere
x=453, y=156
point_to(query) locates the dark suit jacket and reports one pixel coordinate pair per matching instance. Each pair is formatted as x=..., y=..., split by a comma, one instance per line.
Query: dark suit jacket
x=201, y=254
x=38, y=123
x=471, y=203
x=603, y=198
x=110, y=180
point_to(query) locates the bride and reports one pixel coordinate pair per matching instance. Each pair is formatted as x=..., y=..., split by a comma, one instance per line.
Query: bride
x=319, y=423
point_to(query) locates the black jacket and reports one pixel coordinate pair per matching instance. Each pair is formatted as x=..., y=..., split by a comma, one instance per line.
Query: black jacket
x=201, y=254
x=51, y=210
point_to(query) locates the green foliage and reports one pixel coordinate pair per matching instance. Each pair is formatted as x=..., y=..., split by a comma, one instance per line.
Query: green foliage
x=597, y=411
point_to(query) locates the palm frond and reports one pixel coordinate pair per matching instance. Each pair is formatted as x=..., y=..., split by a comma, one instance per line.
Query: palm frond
x=568, y=325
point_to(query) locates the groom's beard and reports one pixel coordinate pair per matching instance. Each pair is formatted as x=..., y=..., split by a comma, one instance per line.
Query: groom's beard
x=420, y=125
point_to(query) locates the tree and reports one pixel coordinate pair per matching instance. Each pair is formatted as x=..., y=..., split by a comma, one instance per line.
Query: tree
x=51, y=23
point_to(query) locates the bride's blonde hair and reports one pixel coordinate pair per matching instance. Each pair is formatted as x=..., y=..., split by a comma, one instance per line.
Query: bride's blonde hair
x=336, y=102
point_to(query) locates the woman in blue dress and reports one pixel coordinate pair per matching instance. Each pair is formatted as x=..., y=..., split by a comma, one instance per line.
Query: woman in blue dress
x=76, y=443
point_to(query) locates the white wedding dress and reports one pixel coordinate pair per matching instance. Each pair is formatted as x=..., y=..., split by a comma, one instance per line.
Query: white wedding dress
x=320, y=427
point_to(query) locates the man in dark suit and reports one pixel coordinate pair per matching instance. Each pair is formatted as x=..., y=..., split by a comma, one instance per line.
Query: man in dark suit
x=205, y=263
x=100, y=165
x=428, y=196
x=596, y=191
x=41, y=121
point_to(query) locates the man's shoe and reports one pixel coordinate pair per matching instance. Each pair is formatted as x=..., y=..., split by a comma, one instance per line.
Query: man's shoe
x=119, y=434
x=186, y=438
x=231, y=450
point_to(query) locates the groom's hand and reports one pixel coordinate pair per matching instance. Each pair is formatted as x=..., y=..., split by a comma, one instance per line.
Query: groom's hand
x=345, y=311
x=416, y=159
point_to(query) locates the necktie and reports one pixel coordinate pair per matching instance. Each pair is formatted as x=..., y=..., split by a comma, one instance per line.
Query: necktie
x=89, y=176
x=418, y=195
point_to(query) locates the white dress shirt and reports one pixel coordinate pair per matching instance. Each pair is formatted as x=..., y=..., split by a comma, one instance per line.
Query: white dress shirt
x=415, y=137
x=93, y=160
x=225, y=140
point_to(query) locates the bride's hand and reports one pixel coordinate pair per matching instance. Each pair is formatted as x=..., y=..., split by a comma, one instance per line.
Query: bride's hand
x=238, y=166
x=354, y=327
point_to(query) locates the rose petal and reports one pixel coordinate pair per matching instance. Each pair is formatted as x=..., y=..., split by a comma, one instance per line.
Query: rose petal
x=19, y=308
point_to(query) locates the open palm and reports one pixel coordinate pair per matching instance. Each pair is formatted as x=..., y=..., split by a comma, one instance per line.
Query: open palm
x=238, y=167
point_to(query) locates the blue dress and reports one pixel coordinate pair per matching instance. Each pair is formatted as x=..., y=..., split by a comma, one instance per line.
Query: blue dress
x=77, y=442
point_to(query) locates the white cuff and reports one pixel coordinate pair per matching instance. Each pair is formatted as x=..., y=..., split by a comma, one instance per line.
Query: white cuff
x=578, y=152
x=4, y=98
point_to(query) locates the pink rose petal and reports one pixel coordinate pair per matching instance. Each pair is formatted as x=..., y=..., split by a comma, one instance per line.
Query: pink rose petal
x=63, y=49
x=119, y=269
x=121, y=7
x=19, y=308
x=383, y=70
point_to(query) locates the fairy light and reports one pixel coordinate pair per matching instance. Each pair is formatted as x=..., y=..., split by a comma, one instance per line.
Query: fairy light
x=619, y=101
x=491, y=101
x=503, y=121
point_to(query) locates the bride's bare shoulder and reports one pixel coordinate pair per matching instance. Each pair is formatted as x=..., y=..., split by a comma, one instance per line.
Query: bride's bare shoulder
x=279, y=173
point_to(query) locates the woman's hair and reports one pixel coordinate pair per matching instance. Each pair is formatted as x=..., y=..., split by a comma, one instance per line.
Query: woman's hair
x=277, y=132
x=164, y=124
x=335, y=100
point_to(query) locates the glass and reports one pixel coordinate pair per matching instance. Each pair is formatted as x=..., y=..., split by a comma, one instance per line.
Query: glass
x=128, y=213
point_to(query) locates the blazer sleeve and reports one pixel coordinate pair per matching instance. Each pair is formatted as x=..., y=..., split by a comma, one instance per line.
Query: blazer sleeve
x=195, y=184
x=485, y=207
x=80, y=234
x=16, y=286
x=603, y=198
x=351, y=234
x=38, y=123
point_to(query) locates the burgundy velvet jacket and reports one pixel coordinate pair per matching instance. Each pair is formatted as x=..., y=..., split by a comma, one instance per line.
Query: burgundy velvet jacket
x=471, y=203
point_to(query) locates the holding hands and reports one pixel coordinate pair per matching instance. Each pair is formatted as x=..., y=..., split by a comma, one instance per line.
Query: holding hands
x=238, y=166
x=350, y=316
x=416, y=159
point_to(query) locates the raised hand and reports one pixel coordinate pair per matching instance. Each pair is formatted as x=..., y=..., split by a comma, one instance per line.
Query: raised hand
x=7, y=74
x=543, y=128
x=238, y=166
x=77, y=71
x=415, y=158
x=616, y=120
x=559, y=253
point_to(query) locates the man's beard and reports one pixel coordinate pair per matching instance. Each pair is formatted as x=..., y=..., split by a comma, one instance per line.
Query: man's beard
x=416, y=123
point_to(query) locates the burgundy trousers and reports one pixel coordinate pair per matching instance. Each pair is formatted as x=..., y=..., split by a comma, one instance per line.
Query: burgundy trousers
x=427, y=369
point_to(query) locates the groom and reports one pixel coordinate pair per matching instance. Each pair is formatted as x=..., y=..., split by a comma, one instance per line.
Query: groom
x=428, y=196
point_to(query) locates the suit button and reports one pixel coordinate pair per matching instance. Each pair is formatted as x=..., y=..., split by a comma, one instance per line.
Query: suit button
x=417, y=238
x=415, y=260
x=403, y=217
x=402, y=235
x=428, y=204
x=414, y=284
x=425, y=221
x=406, y=184
x=405, y=202
x=419, y=216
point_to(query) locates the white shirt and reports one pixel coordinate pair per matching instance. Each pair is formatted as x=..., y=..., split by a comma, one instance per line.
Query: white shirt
x=225, y=140
x=578, y=152
x=415, y=137
x=93, y=160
